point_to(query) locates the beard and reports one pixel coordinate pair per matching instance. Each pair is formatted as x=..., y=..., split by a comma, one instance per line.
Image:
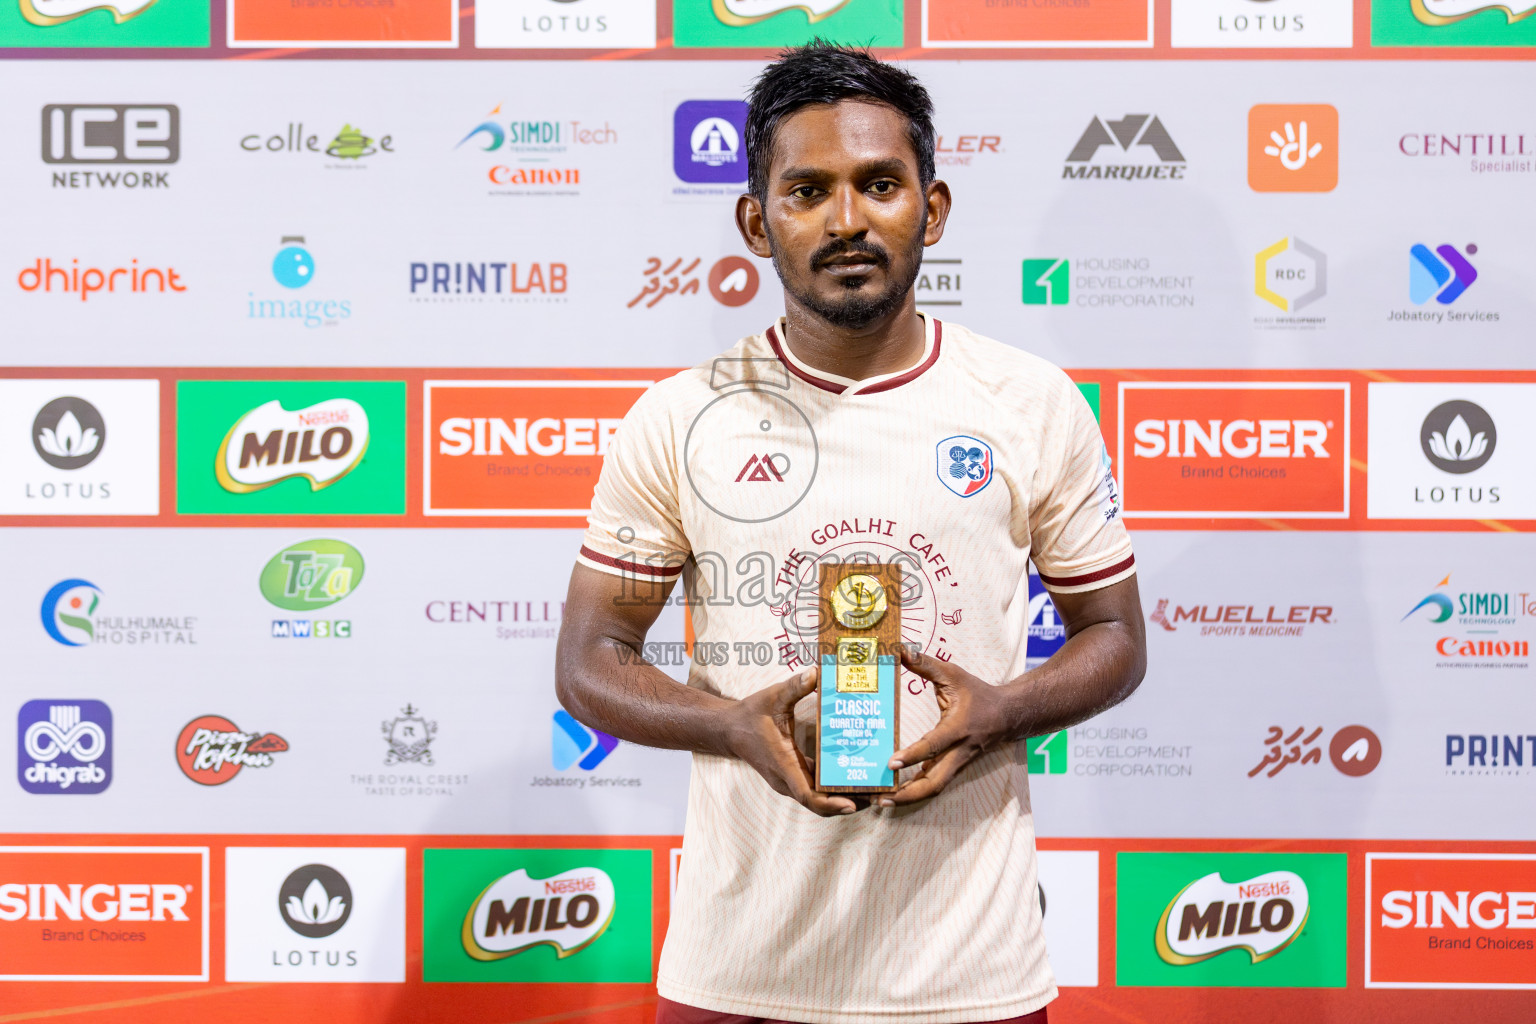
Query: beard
x=857, y=306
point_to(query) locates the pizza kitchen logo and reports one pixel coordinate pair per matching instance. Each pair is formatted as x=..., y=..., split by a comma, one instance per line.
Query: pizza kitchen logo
x=321, y=443
x=1260, y=916
x=212, y=750
x=518, y=912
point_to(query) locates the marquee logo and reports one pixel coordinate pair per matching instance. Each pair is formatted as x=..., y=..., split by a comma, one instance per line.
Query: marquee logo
x=1261, y=916
x=320, y=443
x=1238, y=450
x=211, y=750
x=64, y=746
x=517, y=912
x=1136, y=135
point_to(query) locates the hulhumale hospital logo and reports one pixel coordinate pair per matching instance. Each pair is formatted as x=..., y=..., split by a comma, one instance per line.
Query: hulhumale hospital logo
x=67, y=610
x=69, y=618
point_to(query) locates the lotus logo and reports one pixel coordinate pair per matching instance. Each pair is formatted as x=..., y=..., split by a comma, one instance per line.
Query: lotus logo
x=269, y=444
x=68, y=433
x=567, y=912
x=315, y=901
x=1458, y=437
x=1210, y=916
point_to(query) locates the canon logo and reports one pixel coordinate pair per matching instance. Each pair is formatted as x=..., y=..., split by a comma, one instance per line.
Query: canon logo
x=1239, y=439
x=77, y=902
x=1456, y=647
x=481, y=435
x=1433, y=908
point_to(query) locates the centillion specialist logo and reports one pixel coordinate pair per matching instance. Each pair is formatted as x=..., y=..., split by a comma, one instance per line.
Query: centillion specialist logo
x=567, y=912
x=269, y=444
x=1262, y=915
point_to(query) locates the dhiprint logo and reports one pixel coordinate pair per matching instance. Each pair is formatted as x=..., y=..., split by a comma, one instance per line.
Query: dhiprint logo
x=965, y=464
x=1458, y=437
x=86, y=281
x=1442, y=275
x=67, y=610
x=315, y=901
x=1293, y=147
x=1046, y=282
x=572, y=743
x=409, y=737
x=107, y=133
x=321, y=443
x=1140, y=136
x=211, y=750
x=65, y=746
x=707, y=138
x=68, y=433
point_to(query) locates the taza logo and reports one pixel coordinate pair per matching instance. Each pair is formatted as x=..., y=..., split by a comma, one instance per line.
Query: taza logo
x=517, y=912
x=315, y=901
x=1262, y=916
x=68, y=433
x=65, y=746
x=311, y=574
x=321, y=443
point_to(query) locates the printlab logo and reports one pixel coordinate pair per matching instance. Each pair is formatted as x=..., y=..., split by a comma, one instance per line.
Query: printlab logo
x=707, y=141
x=293, y=268
x=315, y=901
x=212, y=750
x=1293, y=147
x=574, y=744
x=349, y=145
x=1458, y=437
x=309, y=576
x=1490, y=753
x=1354, y=750
x=1148, y=149
x=733, y=281
x=531, y=281
x=409, y=737
x=105, y=133
x=65, y=746
x=1442, y=275
x=1290, y=275
x=1046, y=282
x=68, y=433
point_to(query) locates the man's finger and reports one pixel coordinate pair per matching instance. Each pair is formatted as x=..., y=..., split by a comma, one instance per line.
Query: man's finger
x=927, y=666
x=930, y=783
x=798, y=778
x=939, y=739
x=796, y=688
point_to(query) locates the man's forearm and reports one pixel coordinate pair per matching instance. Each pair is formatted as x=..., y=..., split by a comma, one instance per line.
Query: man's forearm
x=1093, y=671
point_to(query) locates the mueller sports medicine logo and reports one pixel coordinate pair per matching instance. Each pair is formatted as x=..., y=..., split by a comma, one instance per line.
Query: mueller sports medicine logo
x=1260, y=916
x=92, y=913
x=566, y=912
x=137, y=135
x=1247, y=620
x=211, y=750
x=1238, y=450
x=1450, y=920
x=64, y=746
x=321, y=443
x=1138, y=147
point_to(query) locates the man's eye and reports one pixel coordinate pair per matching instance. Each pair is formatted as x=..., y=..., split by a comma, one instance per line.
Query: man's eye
x=882, y=187
x=804, y=192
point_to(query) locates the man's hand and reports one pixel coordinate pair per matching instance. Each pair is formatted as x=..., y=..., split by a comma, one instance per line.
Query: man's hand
x=973, y=718
x=762, y=733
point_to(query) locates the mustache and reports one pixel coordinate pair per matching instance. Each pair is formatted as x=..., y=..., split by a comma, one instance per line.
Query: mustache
x=842, y=247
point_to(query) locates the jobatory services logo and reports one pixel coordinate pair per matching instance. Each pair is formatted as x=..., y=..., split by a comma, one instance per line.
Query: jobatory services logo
x=708, y=139
x=773, y=23
x=211, y=750
x=1235, y=450
x=939, y=283
x=1240, y=620
x=1354, y=750
x=477, y=282
x=1293, y=147
x=1453, y=23
x=314, y=914
x=1442, y=275
x=1482, y=628
x=1136, y=146
x=984, y=23
x=69, y=617
x=104, y=23
x=1263, y=920
x=1497, y=753
x=1450, y=920
x=139, y=137
x=307, y=577
x=293, y=268
x=141, y=913
x=64, y=746
x=1261, y=23
x=535, y=156
x=271, y=447
x=1290, y=275
x=59, y=457
x=537, y=915
x=45, y=277
x=349, y=147
x=575, y=745
x=519, y=447
x=564, y=24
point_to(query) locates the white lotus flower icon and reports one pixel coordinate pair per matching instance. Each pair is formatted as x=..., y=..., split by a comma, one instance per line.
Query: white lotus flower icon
x=1458, y=443
x=66, y=440
x=317, y=906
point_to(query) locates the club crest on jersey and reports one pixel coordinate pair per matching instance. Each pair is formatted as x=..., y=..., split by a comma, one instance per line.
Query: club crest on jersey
x=965, y=464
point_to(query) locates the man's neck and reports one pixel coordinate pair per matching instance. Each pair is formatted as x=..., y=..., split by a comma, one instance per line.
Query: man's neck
x=889, y=345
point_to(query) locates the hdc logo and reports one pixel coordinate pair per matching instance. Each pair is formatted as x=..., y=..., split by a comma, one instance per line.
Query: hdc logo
x=575, y=744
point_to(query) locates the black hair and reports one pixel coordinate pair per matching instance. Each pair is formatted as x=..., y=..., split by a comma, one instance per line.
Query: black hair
x=821, y=72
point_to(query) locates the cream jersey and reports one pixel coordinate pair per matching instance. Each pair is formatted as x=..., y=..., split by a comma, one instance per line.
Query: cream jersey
x=740, y=476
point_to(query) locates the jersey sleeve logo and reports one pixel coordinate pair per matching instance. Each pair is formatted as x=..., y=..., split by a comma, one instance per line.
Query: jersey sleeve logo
x=964, y=464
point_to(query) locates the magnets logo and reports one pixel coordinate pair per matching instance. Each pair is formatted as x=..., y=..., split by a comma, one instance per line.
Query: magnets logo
x=1441, y=275
x=321, y=443
x=1138, y=135
x=516, y=913
x=1261, y=916
x=1046, y=755
x=106, y=133
x=572, y=743
x=66, y=747
x=707, y=141
x=1293, y=147
x=315, y=901
x=211, y=750
x=68, y=433
x=1046, y=282
x=67, y=610
x=964, y=464
x=1290, y=283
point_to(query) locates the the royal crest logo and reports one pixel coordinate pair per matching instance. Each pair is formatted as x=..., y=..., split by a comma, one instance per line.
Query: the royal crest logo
x=409, y=737
x=269, y=444
x=211, y=750
x=1262, y=915
x=964, y=464
x=567, y=912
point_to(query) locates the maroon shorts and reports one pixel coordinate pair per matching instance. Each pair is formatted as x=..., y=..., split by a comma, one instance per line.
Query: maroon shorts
x=668, y=1012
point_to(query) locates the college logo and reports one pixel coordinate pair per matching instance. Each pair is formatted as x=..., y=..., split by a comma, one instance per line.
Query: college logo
x=145, y=909
x=520, y=448
x=106, y=133
x=537, y=915
x=1047, y=282
x=1441, y=275
x=707, y=138
x=68, y=433
x=1240, y=450
x=64, y=746
x=772, y=23
x=1290, y=275
x=1447, y=920
x=315, y=901
x=572, y=743
x=211, y=750
x=1293, y=147
x=409, y=737
x=965, y=464
x=350, y=144
x=1231, y=919
x=1140, y=136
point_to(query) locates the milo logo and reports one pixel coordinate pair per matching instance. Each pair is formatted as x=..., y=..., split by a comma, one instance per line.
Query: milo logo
x=269, y=444
x=311, y=574
x=1209, y=916
x=567, y=912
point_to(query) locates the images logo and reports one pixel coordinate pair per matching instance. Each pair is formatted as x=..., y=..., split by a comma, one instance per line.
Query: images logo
x=68, y=433
x=707, y=139
x=1290, y=285
x=315, y=901
x=1293, y=147
x=1046, y=282
x=572, y=743
x=69, y=605
x=409, y=737
x=1279, y=922
x=76, y=133
x=211, y=750
x=293, y=267
x=65, y=746
x=1137, y=135
x=1441, y=277
x=1458, y=437
x=321, y=443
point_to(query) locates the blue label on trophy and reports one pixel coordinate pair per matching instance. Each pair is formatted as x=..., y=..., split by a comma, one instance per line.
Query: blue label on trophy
x=858, y=716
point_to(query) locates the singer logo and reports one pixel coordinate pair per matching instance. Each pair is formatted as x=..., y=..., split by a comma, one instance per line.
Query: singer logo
x=322, y=444
x=520, y=447
x=1240, y=450
x=1445, y=920
x=87, y=913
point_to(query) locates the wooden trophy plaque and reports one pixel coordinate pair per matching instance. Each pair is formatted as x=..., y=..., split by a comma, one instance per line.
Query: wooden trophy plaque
x=858, y=725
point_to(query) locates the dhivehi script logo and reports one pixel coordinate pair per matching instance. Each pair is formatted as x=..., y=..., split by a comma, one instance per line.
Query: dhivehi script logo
x=1210, y=916
x=269, y=444
x=567, y=912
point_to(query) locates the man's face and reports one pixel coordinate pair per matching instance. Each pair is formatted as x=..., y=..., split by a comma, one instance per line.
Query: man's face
x=846, y=214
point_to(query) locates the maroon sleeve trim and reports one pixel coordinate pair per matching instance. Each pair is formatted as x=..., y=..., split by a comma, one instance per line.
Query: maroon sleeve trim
x=1091, y=577
x=634, y=567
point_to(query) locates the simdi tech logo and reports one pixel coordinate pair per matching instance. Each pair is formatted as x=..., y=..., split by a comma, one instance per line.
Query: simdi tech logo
x=519, y=447
x=307, y=577
x=1450, y=920
x=104, y=23
x=141, y=136
x=1249, y=920
x=104, y=913
x=275, y=447
x=526, y=149
x=64, y=746
x=537, y=915
x=1471, y=627
x=1453, y=23
x=770, y=23
x=1293, y=147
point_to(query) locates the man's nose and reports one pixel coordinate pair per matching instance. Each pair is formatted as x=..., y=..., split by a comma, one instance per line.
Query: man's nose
x=845, y=213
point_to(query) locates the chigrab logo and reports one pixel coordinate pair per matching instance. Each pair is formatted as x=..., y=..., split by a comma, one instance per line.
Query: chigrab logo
x=567, y=912
x=1262, y=915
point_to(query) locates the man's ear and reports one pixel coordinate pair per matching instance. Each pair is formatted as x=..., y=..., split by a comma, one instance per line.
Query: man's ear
x=749, y=221
x=939, y=202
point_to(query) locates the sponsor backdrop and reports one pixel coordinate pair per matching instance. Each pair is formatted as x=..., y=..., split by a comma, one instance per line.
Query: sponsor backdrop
x=311, y=364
